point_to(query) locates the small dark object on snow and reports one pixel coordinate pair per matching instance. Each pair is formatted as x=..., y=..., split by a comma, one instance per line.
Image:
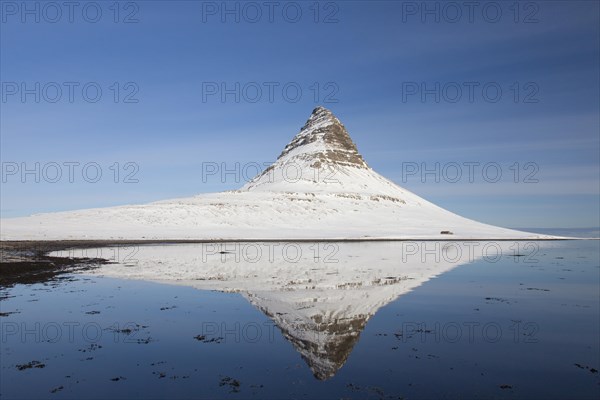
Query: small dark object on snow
x=446, y=233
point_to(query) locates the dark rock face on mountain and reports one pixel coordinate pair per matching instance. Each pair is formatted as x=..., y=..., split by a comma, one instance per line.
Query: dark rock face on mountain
x=324, y=141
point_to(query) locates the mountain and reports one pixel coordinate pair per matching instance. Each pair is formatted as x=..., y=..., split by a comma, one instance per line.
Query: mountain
x=321, y=157
x=320, y=187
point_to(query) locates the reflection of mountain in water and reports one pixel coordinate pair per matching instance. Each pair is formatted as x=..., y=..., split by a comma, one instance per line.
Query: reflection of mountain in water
x=328, y=344
x=321, y=332
x=323, y=301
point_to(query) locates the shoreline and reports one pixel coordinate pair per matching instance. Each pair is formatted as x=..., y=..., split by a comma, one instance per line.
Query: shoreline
x=58, y=244
x=27, y=262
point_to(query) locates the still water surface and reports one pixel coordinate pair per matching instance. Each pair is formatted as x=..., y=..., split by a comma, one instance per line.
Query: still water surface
x=356, y=320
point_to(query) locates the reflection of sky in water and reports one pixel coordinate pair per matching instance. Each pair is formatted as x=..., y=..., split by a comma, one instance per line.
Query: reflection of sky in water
x=375, y=324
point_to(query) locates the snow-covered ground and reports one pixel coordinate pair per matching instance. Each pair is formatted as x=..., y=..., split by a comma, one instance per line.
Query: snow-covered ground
x=319, y=188
x=258, y=215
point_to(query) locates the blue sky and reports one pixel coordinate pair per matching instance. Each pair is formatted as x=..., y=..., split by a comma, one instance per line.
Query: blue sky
x=378, y=65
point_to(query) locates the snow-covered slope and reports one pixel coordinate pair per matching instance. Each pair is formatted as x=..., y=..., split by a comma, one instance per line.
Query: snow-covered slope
x=319, y=188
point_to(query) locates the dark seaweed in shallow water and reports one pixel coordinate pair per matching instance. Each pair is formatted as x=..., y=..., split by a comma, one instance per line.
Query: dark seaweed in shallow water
x=31, y=364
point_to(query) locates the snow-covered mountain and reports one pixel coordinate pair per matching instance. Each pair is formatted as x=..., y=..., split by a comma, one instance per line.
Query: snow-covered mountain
x=320, y=187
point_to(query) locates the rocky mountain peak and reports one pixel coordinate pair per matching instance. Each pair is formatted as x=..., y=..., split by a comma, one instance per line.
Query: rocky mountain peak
x=320, y=115
x=323, y=140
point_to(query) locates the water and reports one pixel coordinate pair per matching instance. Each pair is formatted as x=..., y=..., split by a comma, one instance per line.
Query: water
x=355, y=320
